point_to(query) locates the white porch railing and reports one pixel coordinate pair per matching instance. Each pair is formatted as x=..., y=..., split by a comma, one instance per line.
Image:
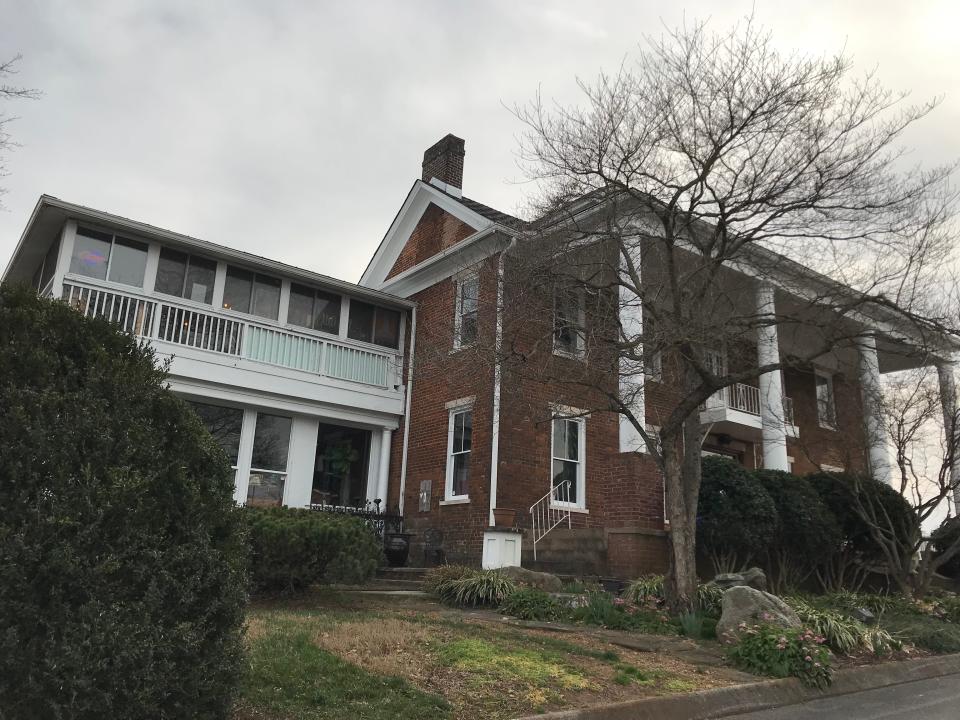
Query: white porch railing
x=211, y=331
x=745, y=398
x=546, y=513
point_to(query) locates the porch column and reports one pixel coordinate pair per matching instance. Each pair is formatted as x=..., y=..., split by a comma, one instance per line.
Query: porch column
x=383, y=469
x=632, y=373
x=951, y=428
x=772, y=421
x=870, y=390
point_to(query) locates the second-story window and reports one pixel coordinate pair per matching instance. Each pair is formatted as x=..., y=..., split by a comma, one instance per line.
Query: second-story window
x=314, y=309
x=103, y=256
x=826, y=407
x=186, y=276
x=373, y=324
x=465, y=320
x=569, y=320
x=248, y=292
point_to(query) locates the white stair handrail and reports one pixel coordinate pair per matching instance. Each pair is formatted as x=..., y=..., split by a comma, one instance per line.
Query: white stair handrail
x=546, y=513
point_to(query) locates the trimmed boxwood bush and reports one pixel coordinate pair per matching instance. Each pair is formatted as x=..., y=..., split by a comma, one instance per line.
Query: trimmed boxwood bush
x=808, y=531
x=292, y=548
x=736, y=519
x=122, y=581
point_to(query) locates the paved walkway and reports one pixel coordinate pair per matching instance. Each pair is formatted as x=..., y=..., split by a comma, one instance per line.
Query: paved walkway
x=934, y=699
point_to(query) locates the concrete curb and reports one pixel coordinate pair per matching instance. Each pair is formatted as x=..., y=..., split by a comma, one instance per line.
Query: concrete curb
x=736, y=699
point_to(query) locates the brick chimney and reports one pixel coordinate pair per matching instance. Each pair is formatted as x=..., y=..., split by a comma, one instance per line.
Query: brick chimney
x=444, y=161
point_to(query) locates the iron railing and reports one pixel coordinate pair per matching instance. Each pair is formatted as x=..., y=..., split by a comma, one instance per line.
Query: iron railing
x=549, y=511
x=745, y=398
x=379, y=522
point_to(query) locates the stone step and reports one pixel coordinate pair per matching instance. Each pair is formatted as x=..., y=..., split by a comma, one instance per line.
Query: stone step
x=385, y=584
x=402, y=573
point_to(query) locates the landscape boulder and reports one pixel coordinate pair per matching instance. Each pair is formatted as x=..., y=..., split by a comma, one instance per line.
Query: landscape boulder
x=742, y=604
x=542, y=581
x=754, y=577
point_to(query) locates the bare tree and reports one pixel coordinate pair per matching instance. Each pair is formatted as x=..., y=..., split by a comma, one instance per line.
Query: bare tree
x=9, y=92
x=924, y=477
x=672, y=201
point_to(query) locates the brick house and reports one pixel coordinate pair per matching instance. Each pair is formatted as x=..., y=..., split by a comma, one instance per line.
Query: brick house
x=482, y=448
x=359, y=397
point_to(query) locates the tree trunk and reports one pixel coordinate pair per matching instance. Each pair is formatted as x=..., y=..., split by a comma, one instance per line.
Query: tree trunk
x=682, y=478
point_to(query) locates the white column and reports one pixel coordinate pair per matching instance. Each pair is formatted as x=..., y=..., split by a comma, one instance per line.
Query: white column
x=383, y=470
x=772, y=421
x=632, y=372
x=951, y=428
x=870, y=390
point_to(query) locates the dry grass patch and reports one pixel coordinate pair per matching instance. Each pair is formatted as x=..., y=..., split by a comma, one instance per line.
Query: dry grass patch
x=388, y=646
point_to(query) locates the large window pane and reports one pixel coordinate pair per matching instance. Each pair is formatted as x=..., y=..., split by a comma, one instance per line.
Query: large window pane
x=171, y=272
x=360, y=325
x=201, y=274
x=91, y=251
x=565, y=481
x=266, y=297
x=300, y=310
x=237, y=290
x=386, y=330
x=326, y=312
x=49, y=264
x=224, y=425
x=128, y=263
x=461, y=474
x=271, y=439
x=265, y=489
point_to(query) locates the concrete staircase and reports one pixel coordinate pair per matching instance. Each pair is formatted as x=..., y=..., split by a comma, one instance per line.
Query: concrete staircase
x=576, y=552
x=391, y=578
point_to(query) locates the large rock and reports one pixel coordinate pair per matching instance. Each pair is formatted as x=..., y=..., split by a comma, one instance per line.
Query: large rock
x=754, y=577
x=742, y=604
x=530, y=578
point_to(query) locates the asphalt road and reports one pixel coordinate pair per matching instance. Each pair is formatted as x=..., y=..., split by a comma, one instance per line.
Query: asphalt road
x=935, y=699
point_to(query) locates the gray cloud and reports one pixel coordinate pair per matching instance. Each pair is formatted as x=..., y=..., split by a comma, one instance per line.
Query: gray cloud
x=293, y=129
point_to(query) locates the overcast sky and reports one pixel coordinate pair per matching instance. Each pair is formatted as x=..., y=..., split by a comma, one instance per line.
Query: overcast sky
x=294, y=129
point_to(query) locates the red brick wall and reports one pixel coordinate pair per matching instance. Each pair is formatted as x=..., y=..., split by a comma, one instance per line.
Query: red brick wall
x=436, y=231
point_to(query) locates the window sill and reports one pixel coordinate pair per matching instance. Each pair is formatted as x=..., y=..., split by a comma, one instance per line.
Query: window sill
x=455, y=501
x=569, y=355
x=569, y=508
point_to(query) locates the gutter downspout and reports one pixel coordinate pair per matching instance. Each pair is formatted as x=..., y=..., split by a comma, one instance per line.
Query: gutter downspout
x=406, y=411
x=497, y=373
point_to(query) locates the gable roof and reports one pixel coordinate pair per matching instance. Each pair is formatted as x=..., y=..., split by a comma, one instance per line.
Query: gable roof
x=479, y=217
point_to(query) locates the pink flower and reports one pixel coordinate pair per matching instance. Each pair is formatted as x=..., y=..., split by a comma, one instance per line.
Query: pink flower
x=808, y=658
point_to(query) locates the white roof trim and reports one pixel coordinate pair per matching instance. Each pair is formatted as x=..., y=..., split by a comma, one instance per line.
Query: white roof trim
x=421, y=195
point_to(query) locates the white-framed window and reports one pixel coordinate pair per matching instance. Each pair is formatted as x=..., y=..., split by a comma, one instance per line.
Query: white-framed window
x=459, y=445
x=716, y=361
x=569, y=320
x=105, y=256
x=826, y=405
x=467, y=305
x=225, y=425
x=268, y=461
x=568, y=445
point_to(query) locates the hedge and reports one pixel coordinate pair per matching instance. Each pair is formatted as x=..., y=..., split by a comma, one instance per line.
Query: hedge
x=292, y=548
x=122, y=579
x=736, y=518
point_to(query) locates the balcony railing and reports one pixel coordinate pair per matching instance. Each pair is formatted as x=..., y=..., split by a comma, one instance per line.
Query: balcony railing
x=745, y=398
x=214, y=332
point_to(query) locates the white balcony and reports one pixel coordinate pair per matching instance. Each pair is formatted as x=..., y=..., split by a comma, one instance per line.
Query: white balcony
x=202, y=337
x=735, y=410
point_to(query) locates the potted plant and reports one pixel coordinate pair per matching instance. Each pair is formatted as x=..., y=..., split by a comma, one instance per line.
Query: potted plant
x=505, y=517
